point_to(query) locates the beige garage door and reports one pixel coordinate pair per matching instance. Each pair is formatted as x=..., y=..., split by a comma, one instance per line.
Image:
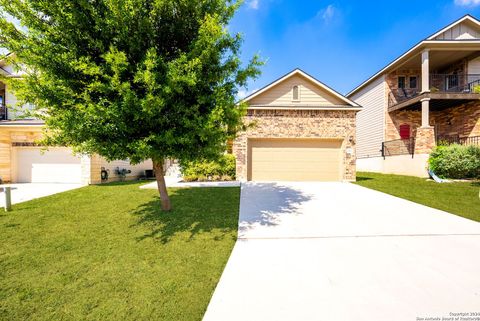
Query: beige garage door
x=294, y=160
x=57, y=165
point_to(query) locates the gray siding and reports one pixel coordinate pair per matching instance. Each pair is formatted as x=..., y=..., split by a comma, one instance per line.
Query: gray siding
x=371, y=120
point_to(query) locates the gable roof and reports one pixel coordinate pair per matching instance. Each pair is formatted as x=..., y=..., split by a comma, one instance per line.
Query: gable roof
x=315, y=81
x=466, y=17
x=427, y=41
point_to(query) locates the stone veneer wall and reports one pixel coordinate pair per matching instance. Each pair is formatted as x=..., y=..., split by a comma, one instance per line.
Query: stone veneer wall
x=399, y=117
x=298, y=124
x=462, y=120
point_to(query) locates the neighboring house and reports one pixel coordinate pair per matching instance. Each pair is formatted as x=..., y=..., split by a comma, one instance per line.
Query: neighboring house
x=301, y=130
x=23, y=161
x=429, y=94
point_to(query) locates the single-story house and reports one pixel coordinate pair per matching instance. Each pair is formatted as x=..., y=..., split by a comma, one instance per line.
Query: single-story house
x=299, y=130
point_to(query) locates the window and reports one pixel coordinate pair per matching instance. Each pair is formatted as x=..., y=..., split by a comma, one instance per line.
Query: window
x=413, y=82
x=401, y=82
x=405, y=131
x=295, y=93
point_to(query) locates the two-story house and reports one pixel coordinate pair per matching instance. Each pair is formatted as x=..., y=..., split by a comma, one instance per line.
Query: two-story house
x=428, y=95
x=22, y=160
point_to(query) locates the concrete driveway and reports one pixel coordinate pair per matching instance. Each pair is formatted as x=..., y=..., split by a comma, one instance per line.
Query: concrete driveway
x=337, y=251
x=23, y=192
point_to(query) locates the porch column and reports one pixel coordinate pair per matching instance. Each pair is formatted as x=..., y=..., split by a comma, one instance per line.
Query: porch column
x=425, y=71
x=425, y=112
x=425, y=135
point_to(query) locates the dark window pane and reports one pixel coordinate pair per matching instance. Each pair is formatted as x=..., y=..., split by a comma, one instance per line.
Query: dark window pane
x=401, y=82
x=413, y=82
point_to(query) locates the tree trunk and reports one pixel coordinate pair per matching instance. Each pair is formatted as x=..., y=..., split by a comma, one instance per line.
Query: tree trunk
x=162, y=187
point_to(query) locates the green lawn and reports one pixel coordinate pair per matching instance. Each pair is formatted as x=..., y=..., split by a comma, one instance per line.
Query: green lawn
x=109, y=253
x=457, y=198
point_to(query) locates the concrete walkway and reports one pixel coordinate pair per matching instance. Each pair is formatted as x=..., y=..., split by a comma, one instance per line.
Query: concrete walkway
x=23, y=192
x=333, y=251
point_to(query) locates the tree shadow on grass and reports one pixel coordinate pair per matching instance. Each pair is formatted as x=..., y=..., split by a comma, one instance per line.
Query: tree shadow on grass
x=363, y=178
x=124, y=183
x=476, y=184
x=195, y=211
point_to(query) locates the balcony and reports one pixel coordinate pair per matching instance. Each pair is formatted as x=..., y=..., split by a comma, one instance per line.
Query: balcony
x=3, y=112
x=446, y=90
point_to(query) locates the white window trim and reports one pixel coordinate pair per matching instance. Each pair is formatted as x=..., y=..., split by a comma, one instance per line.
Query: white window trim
x=299, y=93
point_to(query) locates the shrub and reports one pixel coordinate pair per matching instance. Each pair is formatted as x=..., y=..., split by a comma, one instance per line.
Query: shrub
x=221, y=169
x=476, y=89
x=456, y=161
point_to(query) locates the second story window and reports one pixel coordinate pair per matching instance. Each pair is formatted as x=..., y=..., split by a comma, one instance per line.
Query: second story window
x=401, y=82
x=413, y=82
x=295, y=93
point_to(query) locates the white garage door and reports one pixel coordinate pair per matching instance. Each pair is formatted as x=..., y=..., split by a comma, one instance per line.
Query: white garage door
x=57, y=165
x=295, y=160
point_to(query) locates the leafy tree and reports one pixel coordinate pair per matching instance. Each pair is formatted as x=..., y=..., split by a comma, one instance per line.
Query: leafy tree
x=136, y=79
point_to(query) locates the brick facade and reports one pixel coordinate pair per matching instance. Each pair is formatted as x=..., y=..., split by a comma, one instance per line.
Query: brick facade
x=271, y=123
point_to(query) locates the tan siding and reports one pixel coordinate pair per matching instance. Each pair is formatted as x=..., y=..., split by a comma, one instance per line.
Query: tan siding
x=463, y=30
x=18, y=135
x=310, y=94
x=5, y=152
x=370, y=121
x=474, y=66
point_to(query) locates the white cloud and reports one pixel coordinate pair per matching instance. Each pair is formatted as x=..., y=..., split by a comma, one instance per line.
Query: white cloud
x=253, y=4
x=328, y=13
x=242, y=93
x=467, y=3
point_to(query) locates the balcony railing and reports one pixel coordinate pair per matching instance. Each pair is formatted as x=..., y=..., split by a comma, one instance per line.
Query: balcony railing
x=447, y=140
x=440, y=83
x=3, y=112
x=398, y=147
x=455, y=83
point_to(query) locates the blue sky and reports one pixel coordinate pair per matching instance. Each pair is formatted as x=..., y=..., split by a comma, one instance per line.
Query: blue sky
x=341, y=43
